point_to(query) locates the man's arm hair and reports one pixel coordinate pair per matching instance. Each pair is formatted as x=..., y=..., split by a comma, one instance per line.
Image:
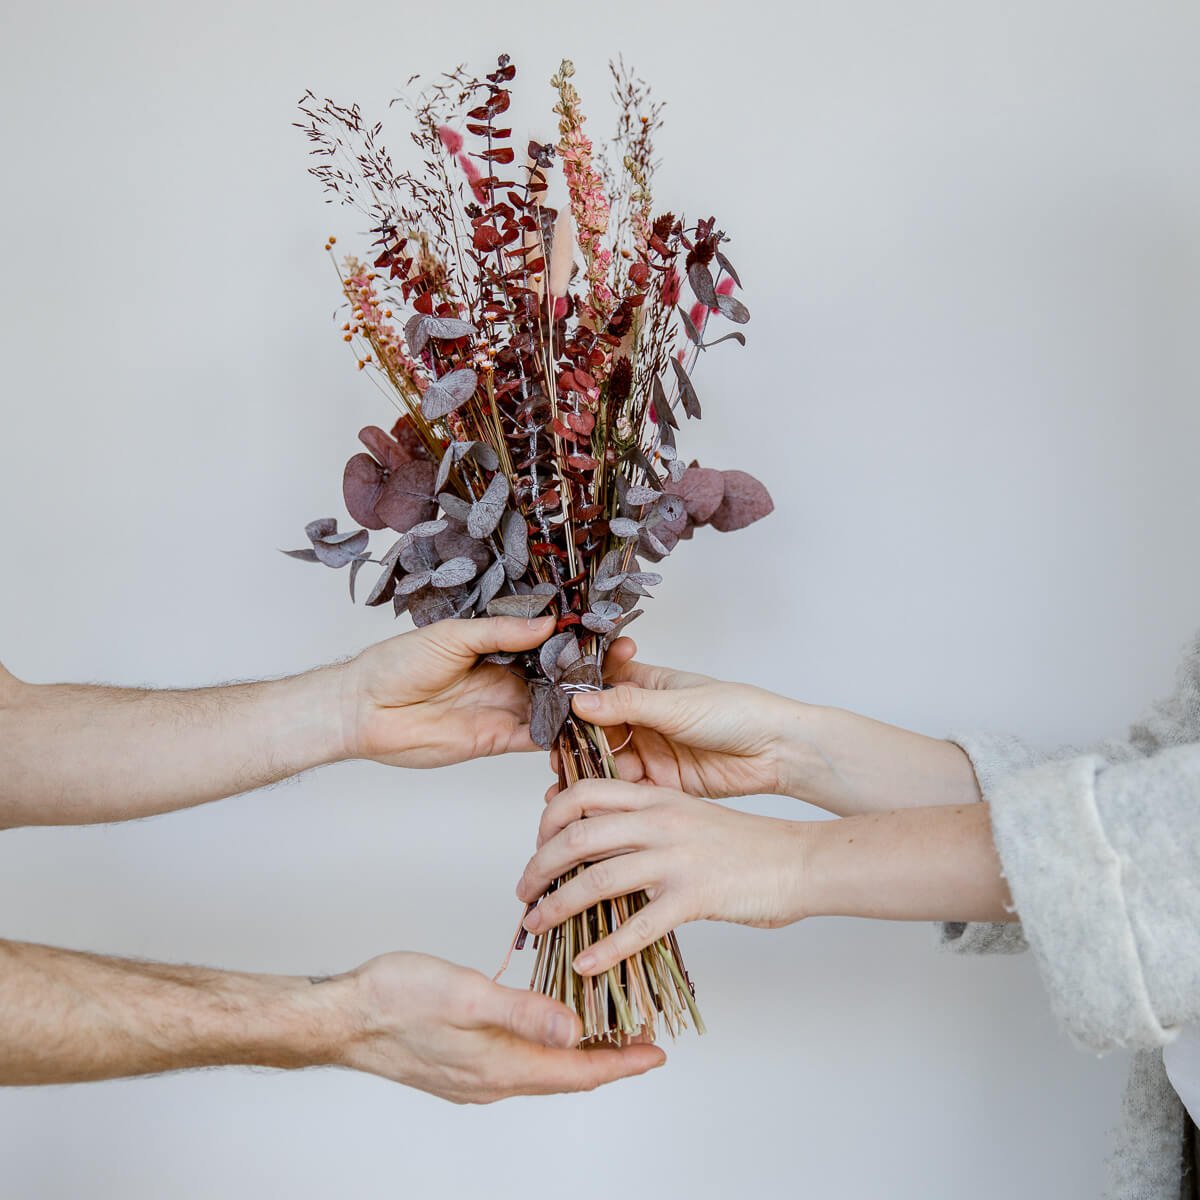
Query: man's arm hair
x=74, y=754
x=68, y=1017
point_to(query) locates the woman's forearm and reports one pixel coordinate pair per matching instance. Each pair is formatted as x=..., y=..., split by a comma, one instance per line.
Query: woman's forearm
x=73, y=754
x=68, y=1017
x=849, y=764
x=918, y=864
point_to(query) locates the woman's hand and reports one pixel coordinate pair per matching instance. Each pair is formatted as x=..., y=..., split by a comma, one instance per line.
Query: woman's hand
x=693, y=733
x=695, y=860
x=423, y=699
x=717, y=739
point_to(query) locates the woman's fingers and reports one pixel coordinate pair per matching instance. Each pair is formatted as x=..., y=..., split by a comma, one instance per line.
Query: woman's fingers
x=629, y=704
x=583, y=842
x=603, y=881
x=590, y=798
x=644, y=928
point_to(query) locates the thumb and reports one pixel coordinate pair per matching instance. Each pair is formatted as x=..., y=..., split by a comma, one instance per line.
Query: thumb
x=488, y=635
x=536, y=1018
x=629, y=705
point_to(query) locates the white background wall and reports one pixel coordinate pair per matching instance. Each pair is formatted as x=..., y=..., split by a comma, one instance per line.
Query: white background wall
x=970, y=238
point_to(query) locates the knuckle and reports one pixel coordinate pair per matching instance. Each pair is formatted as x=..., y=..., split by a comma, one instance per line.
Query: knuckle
x=626, y=698
x=641, y=927
x=576, y=835
x=599, y=878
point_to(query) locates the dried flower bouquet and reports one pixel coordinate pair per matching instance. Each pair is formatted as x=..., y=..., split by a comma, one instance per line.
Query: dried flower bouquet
x=540, y=360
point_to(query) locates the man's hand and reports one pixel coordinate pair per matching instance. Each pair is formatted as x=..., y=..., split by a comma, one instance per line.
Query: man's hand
x=67, y=1017
x=423, y=699
x=450, y=1031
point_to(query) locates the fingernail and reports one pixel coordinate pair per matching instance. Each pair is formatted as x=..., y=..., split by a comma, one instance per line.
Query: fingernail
x=588, y=701
x=533, y=921
x=561, y=1032
x=584, y=962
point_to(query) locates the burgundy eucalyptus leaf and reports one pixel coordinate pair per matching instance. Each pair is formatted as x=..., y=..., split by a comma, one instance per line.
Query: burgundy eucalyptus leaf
x=727, y=266
x=662, y=407
x=407, y=498
x=444, y=395
x=689, y=327
x=745, y=501
x=700, y=277
x=455, y=542
x=687, y=393
x=702, y=490
x=548, y=707
x=362, y=485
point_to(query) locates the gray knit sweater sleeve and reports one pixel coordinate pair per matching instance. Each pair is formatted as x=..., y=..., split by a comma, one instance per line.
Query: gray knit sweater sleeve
x=1101, y=850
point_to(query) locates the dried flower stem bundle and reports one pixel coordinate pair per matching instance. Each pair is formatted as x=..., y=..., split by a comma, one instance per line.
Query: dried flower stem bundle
x=539, y=364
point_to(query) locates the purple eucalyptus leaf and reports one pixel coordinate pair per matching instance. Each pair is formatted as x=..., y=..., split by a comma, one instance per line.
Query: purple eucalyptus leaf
x=454, y=573
x=529, y=605
x=414, y=583
x=355, y=567
x=515, y=536
x=734, y=309
x=736, y=336
x=444, y=395
x=489, y=508
x=550, y=651
x=624, y=527
x=308, y=554
x=490, y=584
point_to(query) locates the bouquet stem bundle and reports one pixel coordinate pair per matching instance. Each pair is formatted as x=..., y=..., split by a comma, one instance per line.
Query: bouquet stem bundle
x=626, y=1000
x=534, y=462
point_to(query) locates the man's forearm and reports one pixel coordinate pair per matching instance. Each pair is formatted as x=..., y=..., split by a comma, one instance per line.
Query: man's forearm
x=920, y=864
x=72, y=755
x=68, y=1017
